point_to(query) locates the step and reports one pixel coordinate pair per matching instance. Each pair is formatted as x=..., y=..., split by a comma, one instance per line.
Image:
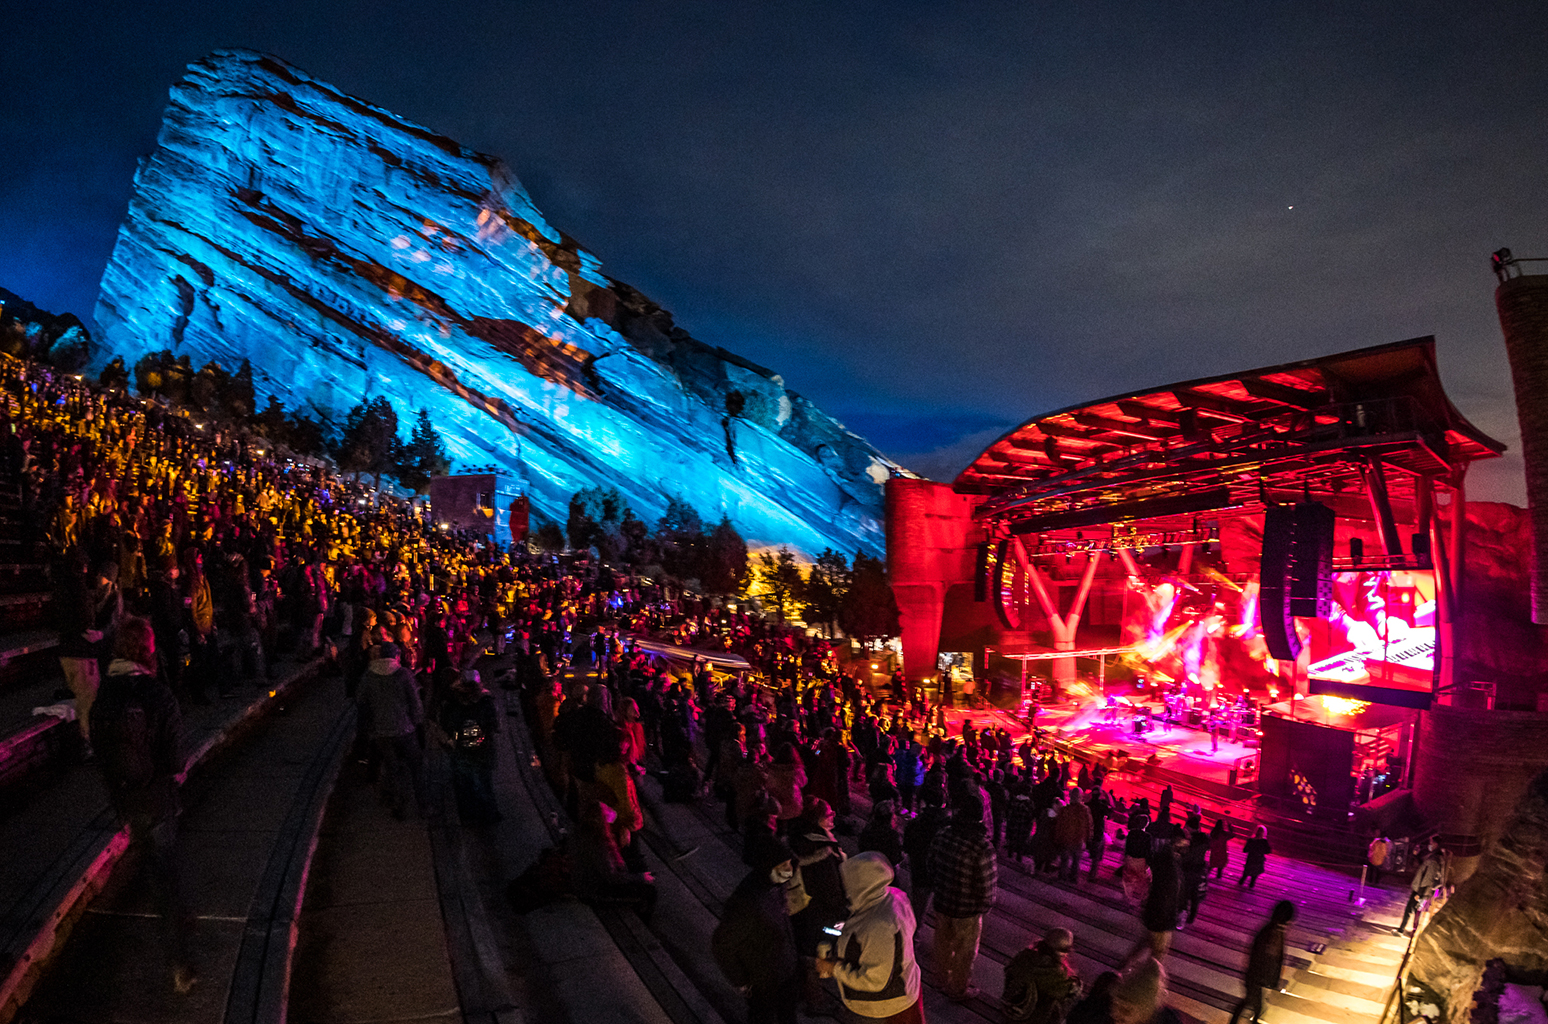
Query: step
x=20, y=644
x=1280, y=1007
x=1313, y=979
x=1364, y=1005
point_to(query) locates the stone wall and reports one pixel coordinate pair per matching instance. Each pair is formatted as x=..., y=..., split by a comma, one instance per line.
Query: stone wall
x=1472, y=767
x=1501, y=911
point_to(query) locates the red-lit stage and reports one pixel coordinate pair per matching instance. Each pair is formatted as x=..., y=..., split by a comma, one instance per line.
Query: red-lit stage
x=1244, y=538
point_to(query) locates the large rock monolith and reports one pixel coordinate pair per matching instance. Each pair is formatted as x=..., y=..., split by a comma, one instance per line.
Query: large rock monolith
x=347, y=252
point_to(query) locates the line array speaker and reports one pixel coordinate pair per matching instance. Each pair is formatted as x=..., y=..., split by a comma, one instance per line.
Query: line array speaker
x=1274, y=582
x=1311, y=568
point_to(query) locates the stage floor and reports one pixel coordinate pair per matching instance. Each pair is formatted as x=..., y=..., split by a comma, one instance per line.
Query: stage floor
x=1079, y=723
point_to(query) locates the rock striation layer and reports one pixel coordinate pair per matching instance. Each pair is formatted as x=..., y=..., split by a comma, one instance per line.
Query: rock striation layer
x=347, y=252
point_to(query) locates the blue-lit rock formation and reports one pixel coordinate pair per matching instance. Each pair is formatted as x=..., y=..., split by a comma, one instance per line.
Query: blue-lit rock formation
x=347, y=252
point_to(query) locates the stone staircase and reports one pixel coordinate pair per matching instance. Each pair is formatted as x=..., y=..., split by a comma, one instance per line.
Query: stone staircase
x=1343, y=958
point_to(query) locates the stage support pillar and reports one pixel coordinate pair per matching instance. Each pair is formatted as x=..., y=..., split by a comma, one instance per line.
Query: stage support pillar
x=930, y=546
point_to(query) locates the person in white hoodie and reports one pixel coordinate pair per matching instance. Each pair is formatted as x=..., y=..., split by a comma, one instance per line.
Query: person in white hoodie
x=873, y=959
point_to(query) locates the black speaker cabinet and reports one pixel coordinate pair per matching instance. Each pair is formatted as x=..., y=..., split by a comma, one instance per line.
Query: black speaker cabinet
x=1274, y=583
x=1311, y=561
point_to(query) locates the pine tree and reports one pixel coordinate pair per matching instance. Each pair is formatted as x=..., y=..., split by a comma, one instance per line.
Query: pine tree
x=271, y=422
x=370, y=439
x=548, y=538
x=826, y=587
x=423, y=457
x=150, y=373
x=681, y=542
x=597, y=519
x=237, y=401
x=869, y=611
x=115, y=375
x=725, y=567
x=207, y=387
x=780, y=577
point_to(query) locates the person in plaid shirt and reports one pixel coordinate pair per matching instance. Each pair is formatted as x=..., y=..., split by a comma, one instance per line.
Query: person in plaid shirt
x=963, y=868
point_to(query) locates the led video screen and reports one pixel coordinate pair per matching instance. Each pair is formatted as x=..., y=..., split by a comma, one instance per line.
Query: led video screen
x=1378, y=643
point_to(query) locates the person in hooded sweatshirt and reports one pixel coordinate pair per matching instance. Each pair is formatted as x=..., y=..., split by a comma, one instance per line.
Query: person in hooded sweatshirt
x=753, y=944
x=391, y=710
x=873, y=959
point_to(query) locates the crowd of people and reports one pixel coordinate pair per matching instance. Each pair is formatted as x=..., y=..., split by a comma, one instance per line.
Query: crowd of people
x=190, y=559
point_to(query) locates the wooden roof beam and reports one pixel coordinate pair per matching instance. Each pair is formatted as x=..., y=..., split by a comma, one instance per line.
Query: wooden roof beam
x=1297, y=398
x=1144, y=429
x=1071, y=433
x=1218, y=405
x=1141, y=411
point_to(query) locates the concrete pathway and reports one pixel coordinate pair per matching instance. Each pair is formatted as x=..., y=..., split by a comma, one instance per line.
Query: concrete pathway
x=114, y=966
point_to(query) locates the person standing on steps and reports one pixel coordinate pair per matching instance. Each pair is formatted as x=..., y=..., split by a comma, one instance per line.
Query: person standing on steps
x=1163, y=903
x=79, y=639
x=918, y=836
x=1265, y=962
x=1195, y=868
x=1257, y=850
x=136, y=731
x=390, y=704
x=753, y=944
x=964, y=870
x=873, y=959
x=1376, y=858
x=1072, y=828
x=468, y=723
x=1220, y=847
x=1101, y=807
x=1427, y=876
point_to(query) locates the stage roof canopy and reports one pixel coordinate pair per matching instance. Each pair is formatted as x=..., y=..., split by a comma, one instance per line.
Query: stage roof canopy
x=1319, y=426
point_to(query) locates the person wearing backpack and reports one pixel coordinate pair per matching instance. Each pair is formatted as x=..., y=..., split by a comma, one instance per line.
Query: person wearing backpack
x=468, y=724
x=390, y=704
x=1040, y=985
x=136, y=731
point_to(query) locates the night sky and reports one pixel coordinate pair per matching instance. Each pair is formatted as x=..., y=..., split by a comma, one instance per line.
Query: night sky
x=937, y=219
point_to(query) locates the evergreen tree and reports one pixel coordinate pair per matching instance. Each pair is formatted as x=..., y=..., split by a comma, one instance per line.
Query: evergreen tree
x=826, y=586
x=725, y=560
x=423, y=457
x=638, y=547
x=780, y=577
x=271, y=422
x=308, y=435
x=582, y=527
x=207, y=387
x=370, y=439
x=237, y=401
x=548, y=538
x=681, y=542
x=150, y=372
x=115, y=375
x=869, y=610
x=177, y=380
x=595, y=521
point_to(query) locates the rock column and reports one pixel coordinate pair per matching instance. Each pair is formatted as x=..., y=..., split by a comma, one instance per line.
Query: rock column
x=1501, y=912
x=1523, y=307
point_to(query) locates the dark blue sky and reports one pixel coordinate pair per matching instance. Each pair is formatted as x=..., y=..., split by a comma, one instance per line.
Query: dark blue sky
x=935, y=219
